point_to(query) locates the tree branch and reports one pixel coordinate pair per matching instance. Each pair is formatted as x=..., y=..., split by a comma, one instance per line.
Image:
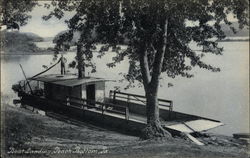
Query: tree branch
x=144, y=66
x=159, y=56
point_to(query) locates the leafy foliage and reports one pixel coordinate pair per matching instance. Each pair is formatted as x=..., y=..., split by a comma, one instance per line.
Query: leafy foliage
x=141, y=23
x=14, y=11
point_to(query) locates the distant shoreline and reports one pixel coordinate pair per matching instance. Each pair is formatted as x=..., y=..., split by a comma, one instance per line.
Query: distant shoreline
x=234, y=40
x=37, y=53
x=48, y=52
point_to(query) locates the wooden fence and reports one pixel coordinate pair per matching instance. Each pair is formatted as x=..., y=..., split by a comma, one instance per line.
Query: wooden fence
x=99, y=106
x=134, y=98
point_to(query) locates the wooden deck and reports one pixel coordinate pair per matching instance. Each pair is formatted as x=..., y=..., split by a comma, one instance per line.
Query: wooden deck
x=132, y=117
x=124, y=111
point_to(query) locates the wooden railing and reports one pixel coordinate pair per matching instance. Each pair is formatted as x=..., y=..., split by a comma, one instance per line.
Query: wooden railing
x=128, y=97
x=99, y=106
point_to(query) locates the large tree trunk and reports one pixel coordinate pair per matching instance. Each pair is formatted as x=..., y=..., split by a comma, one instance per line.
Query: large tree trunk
x=153, y=128
x=80, y=59
x=152, y=109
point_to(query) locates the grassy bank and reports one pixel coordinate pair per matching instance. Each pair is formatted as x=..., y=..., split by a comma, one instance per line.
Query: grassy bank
x=28, y=134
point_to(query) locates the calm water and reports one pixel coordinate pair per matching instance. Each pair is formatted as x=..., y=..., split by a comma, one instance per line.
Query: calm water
x=223, y=96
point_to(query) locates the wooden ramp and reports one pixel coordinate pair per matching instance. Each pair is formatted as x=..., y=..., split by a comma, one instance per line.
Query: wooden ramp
x=196, y=141
x=197, y=125
x=189, y=127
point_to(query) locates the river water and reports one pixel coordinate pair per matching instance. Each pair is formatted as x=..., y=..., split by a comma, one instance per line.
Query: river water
x=223, y=96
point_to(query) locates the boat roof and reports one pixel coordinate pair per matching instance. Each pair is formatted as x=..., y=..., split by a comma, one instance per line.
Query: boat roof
x=69, y=80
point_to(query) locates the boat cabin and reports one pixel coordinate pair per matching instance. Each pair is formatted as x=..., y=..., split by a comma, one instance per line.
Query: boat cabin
x=60, y=87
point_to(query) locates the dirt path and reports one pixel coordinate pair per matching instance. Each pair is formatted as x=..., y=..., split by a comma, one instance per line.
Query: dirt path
x=28, y=134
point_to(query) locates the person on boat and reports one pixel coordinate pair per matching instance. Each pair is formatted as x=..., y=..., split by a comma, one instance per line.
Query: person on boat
x=63, y=61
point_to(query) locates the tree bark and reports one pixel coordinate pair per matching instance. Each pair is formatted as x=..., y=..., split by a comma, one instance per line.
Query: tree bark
x=152, y=109
x=80, y=59
x=153, y=128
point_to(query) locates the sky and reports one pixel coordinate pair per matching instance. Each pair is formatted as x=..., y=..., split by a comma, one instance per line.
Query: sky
x=44, y=28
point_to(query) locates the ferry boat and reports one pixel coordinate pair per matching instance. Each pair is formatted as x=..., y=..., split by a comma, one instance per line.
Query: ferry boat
x=85, y=99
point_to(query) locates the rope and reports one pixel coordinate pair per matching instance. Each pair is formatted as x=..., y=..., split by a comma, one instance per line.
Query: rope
x=27, y=83
x=47, y=69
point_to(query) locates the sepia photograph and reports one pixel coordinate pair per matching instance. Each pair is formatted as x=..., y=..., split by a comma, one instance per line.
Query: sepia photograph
x=124, y=78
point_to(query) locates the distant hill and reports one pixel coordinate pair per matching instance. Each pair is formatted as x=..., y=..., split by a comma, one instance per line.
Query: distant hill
x=46, y=39
x=15, y=42
x=32, y=36
x=74, y=40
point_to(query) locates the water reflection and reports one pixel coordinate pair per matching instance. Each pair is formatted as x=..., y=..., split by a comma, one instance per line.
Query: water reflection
x=15, y=58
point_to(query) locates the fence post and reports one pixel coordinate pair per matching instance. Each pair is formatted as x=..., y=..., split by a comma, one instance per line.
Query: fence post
x=127, y=114
x=81, y=102
x=128, y=99
x=110, y=94
x=171, y=104
x=114, y=95
x=170, y=109
x=102, y=108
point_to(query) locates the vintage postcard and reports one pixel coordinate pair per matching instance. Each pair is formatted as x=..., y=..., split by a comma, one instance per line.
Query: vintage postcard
x=125, y=78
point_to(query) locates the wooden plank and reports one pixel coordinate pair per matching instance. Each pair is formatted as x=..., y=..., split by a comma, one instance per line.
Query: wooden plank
x=196, y=141
x=194, y=125
x=202, y=124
